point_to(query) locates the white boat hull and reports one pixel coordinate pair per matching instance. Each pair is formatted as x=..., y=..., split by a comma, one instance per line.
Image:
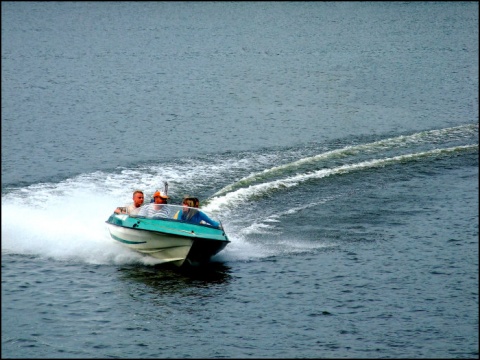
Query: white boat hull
x=164, y=247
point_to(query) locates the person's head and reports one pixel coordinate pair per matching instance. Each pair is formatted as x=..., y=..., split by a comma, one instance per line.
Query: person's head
x=190, y=202
x=160, y=198
x=138, y=198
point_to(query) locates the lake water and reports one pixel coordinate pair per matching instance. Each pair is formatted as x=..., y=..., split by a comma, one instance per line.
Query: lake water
x=337, y=142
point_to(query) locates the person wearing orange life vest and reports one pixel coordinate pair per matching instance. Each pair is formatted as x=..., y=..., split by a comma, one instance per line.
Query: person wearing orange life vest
x=158, y=209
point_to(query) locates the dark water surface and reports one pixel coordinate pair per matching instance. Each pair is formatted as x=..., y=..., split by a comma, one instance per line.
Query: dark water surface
x=337, y=142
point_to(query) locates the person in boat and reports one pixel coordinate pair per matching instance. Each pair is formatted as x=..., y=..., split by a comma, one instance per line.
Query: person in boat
x=190, y=213
x=158, y=209
x=133, y=208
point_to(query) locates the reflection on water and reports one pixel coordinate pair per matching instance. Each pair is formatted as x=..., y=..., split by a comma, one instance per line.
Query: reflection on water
x=169, y=278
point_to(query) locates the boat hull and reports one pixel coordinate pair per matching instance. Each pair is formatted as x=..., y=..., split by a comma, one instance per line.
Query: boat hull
x=170, y=241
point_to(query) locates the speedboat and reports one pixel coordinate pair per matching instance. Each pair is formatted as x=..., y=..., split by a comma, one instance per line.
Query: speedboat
x=168, y=239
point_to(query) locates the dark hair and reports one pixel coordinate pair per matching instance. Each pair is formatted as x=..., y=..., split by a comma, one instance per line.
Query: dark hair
x=194, y=201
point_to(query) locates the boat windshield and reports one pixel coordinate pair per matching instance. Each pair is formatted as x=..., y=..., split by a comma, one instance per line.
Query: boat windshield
x=177, y=212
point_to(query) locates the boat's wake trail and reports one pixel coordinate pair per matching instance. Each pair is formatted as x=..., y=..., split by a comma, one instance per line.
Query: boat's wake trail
x=424, y=137
x=241, y=195
x=66, y=220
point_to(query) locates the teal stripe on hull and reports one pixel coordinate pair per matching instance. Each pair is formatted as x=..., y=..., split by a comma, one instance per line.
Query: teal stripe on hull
x=127, y=241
